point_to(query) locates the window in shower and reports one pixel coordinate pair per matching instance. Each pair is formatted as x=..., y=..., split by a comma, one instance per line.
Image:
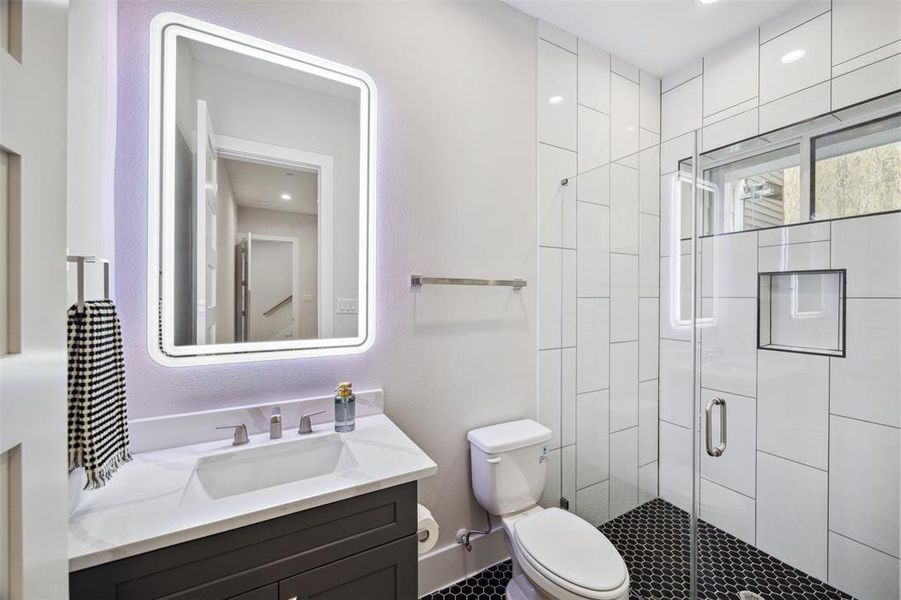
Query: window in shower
x=802, y=311
x=760, y=191
x=857, y=171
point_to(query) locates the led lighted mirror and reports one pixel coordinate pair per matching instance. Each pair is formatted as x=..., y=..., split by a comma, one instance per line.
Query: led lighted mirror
x=261, y=199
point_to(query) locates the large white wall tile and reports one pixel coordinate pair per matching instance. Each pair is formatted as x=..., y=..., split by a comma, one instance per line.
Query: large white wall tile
x=594, y=139
x=863, y=482
x=861, y=571
x=681, y=110
x=685, y=73
x=729, y=346
x=594, y=186
x=794, y=257
x=593, y=352
x=594, y=77
x=623, y=116
x=675, y=465
x=557, y=76
x=859, y=27
x=778, y=79
x=623, y=471
x=557, y=36
x=623, y=297
x=649, y=181
x=866, y=383
x=553, y=165
x=675, y=302
x=729, y=265
x=648, y=340
x=568, y=300
x=624, y=209
x=792, y=513
x=568, y=396
x=649, y=255
x=676, y=382
x=623, y=385
x=594, y=250
x=795, y=234
x=647, y=422
x=730, y=130
x=735, y=468
x=868, y=82
x=730, y=74
x=550, y=271
x=673, y=151
x=649, y=102
x=728, y=510
x=793, y=406
x=796, y=107
x=549, y=366
x=551, y=495
x=647, y=482
x=593, y=503
x=647, y=138
x=592, y=448
x=621, y=67
x=856, y=243
x=801, y=13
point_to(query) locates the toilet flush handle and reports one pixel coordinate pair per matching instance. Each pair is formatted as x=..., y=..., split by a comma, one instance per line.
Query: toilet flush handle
x=493, y=460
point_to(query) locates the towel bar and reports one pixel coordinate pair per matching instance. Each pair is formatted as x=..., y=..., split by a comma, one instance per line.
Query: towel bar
x=80, y=262
x=419, y=281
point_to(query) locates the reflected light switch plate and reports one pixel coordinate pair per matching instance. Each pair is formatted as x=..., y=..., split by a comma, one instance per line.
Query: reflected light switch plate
x=347, y=306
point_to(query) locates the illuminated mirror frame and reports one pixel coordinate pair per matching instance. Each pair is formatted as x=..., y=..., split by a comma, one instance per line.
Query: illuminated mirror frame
x=165, y=30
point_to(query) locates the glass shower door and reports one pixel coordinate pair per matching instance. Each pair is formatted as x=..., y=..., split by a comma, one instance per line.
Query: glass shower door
x=794, y=351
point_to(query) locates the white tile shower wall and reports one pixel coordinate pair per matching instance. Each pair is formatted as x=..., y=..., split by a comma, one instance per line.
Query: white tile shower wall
x=818, y=498
x=598, y=252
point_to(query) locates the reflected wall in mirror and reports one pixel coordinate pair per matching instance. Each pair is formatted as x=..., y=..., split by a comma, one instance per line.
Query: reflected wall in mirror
x=264, y=200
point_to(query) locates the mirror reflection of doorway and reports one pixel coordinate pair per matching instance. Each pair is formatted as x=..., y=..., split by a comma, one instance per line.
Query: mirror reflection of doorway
x=267, y=295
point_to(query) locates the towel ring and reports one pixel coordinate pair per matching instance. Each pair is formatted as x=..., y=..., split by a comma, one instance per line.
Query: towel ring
x=80, y=262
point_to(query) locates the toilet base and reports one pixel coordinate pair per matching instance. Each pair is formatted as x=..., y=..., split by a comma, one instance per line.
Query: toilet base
x=520, y=588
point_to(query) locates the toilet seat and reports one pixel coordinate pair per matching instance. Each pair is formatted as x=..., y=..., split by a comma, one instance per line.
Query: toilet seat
x=563, y=551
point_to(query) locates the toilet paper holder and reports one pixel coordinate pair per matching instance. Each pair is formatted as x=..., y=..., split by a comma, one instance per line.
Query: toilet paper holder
x=422, y=535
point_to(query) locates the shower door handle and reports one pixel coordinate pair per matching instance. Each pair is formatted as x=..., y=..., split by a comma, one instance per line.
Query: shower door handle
x=716, y=451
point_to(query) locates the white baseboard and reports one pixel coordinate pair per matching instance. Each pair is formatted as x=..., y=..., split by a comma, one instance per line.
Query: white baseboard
x=452, y=563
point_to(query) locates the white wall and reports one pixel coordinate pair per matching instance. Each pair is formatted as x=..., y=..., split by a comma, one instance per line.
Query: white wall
x=456, y=189
x=304, y=227
x=598, y=280
x=791, y=481
x=91, y=137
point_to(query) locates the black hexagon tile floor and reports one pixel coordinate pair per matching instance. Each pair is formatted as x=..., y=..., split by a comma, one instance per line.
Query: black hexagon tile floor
x=654, y=541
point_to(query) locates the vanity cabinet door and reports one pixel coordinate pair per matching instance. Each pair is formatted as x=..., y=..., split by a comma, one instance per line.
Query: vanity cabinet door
x=384, y=573
x=269, y=592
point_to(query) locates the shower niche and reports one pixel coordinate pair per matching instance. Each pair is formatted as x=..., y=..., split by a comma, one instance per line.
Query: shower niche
x=802, y=311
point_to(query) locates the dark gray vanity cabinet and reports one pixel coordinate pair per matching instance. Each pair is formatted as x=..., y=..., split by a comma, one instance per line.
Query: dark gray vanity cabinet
x=363, y=548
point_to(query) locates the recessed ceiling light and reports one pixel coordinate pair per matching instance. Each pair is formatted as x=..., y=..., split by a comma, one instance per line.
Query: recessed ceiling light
x=286, y=197
x=555, y=100
x=793, y=56
x=707, y=1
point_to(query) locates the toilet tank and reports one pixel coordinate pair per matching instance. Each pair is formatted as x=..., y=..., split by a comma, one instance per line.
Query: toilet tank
x=509, y=465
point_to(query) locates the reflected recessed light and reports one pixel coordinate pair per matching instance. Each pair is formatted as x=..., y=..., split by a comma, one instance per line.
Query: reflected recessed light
x=707, y=1
x=793, y=56
x=286, y=196
x=555, y=100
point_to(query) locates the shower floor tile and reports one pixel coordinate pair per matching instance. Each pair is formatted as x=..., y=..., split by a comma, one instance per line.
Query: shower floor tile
x=654, y=541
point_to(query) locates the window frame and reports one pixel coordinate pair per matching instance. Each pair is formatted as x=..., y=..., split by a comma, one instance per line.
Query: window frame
x=807, y=158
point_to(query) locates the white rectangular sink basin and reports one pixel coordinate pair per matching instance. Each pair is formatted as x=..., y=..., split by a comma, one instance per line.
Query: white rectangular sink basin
x=254, y=468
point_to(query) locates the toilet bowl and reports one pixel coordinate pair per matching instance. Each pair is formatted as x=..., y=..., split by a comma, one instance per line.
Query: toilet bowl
x=556, y=555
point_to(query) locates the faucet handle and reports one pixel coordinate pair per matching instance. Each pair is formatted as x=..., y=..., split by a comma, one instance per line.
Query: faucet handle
x=306, y=425
x=240, y=433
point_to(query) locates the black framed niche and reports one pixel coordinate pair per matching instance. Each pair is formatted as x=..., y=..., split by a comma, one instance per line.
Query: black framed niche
x=802, y=311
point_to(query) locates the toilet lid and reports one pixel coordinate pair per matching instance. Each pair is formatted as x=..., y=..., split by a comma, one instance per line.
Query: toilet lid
x=571, y=549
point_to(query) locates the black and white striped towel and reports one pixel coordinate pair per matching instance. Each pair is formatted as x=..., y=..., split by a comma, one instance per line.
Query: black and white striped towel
x=98, y=428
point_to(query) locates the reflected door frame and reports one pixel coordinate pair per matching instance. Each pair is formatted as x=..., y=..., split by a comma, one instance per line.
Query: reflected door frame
x=323, y=165
x=252, y=238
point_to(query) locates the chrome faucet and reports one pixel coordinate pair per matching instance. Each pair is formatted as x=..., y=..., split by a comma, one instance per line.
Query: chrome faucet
x=306, y=426
x=240, y=433
x=275, y=424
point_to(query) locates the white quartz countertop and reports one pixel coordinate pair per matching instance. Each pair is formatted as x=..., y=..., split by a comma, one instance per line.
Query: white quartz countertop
x=144, y=506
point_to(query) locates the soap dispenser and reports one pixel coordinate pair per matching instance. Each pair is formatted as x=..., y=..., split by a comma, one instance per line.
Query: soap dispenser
x=345, y=417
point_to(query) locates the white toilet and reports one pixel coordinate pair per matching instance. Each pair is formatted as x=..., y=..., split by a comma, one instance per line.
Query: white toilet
x=556, y=555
